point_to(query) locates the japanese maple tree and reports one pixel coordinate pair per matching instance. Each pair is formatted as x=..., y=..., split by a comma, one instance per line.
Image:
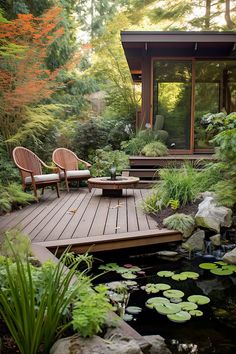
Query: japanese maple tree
x=24, y=77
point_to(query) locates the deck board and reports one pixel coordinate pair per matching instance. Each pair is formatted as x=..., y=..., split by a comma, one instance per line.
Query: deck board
x=89, y=220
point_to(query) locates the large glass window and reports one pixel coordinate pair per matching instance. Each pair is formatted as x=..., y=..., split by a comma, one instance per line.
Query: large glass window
x=215, y=90
x=172, y=101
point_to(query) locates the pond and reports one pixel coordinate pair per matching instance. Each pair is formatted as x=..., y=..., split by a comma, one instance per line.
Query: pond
x=214, y=332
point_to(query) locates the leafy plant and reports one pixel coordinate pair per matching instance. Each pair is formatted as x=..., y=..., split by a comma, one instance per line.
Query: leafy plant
x=106, y=158
x=155, y=148
x=182, y=185
x=15, y=243
x=35, y=302
x=174, y=204
x=12, y=196
x=135, y=145
x=90, y=311
x=181, y=222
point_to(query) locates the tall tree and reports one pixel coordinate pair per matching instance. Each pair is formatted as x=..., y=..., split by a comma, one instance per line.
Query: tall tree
x=24, y=78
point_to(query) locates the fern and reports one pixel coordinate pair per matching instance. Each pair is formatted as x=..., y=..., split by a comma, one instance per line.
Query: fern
x=180, y=222
x=38, y=120
x=12, y=196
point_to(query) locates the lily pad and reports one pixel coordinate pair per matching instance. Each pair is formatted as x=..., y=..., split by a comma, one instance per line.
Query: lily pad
x=127, y=317
x=172, y=293
x=190, y=275
x=188, y=306
x=167, y=308
x=222, y=263
x=128, y=275
x=208, y=265
x=122, y=270
x=155, y=288
x=130, y=282
x=179, y=277
x=196, y=313
x=109, y=267
x=199, y=299
x=165, y=273
x=134, y=310
x=229, y=266
x=150, y=303
x=176, y=301
x=116, y=297
x=221, y=271
x=179, y=317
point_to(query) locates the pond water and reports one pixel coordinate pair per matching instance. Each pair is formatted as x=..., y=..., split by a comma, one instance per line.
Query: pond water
x=214, y=332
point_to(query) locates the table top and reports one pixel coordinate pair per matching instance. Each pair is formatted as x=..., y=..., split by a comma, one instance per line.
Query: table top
x=118, y=180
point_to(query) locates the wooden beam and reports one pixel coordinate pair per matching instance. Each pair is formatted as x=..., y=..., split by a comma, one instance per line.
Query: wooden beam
x=114, y=241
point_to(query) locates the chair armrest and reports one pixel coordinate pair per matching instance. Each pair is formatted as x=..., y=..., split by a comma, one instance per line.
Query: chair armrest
x=54, y=168
x=87, y=164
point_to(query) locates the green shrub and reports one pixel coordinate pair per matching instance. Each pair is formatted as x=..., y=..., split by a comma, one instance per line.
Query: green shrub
x=225, y=128
x=135, y=145
x=105, y=159
x=180, y=222
x=155, y=148
x=8, y=172
x=15, y=243
x=12, y=196
x=226, y=192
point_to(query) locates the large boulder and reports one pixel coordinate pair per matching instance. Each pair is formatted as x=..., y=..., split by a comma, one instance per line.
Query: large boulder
x=230, y=257
x=212, y=216
x=158, y=345
x=216, y=240
x=96, y=345
x=195, y=242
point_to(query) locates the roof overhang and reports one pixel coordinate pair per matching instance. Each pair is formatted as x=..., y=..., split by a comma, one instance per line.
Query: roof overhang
x=138, y=44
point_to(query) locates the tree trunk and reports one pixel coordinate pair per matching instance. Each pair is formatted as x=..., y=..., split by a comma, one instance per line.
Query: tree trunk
x=207, y=15
x=229, y=22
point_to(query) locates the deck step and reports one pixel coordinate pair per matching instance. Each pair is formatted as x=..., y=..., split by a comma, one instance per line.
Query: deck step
x=170, y=160
x=142, y=172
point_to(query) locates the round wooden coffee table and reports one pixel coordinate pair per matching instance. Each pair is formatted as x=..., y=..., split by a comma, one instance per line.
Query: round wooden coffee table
x=112, y=187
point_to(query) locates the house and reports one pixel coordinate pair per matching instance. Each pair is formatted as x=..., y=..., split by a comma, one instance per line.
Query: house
x=184, y=75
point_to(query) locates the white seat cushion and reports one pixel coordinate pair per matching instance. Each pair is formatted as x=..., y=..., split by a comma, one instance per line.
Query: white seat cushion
x=76, y=173
x=51, y=177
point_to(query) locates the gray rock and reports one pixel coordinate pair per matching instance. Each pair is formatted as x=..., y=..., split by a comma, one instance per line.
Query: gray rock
x=216, y=240
x=230, y=257
x=195, y=242
x=211, y=216
x=167, y=253
x=96, y=345
x=158, y=345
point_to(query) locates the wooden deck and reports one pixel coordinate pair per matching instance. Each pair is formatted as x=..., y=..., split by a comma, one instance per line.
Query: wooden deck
x=88, y=221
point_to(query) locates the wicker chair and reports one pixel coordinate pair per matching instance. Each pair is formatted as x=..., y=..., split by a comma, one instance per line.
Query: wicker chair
x=30, y=166
x=68, y=161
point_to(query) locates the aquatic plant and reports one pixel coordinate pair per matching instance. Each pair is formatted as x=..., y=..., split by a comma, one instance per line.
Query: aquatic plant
x=199, y=299
x=179, y=317
x=219, y=268
x=165, y=273
x=167, y=308
x=155, y=288
x=173, y=293
x=133, y=310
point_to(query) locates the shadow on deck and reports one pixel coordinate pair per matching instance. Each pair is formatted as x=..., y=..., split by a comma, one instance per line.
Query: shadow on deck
x=89, y=221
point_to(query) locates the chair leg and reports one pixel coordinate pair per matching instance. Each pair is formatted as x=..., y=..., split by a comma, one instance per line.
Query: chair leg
x=35, y=193
x=67, y=185
x=42, y=191
x=57, y=188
